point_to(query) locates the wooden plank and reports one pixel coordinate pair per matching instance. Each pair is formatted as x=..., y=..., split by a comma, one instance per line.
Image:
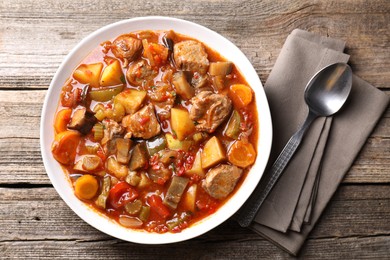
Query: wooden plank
x=39, y=214
x=356, y=211
x=21, y=113
x=259, y=28
x=345, y=248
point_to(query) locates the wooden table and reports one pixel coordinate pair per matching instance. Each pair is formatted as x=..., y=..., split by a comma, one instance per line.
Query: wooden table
x=35, y=36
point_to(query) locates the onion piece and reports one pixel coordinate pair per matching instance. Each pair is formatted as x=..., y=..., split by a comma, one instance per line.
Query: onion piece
x=130, y=222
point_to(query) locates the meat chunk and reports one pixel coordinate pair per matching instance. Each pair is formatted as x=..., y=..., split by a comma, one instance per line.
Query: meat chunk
x=111, y=128
x=126, y=47
x=140, y=73
x=209, y=110
x=163, y=98
x=201, y=83
x=221, y=180
x=142, y=124
x=191, y=56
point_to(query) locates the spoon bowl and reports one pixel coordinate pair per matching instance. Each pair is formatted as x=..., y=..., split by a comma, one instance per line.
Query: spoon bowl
x=328, y=89
x=325, y=94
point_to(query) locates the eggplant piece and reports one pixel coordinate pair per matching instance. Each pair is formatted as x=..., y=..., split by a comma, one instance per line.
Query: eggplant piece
x=168, y=42
x=110, y=147
x=139, y=157
x=218, y=82
x=175, y=191
x=220, y=68
x=82, y=121
x=122, y=150
x=182, y=87
x=232, y=129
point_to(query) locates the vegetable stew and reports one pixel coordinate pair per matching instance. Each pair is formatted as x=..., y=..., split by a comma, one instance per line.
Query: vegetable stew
x=155, y=130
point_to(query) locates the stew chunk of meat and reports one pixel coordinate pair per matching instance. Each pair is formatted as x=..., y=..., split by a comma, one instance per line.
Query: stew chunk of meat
x=191, y=56
x=201, y=83
x=221, y=180
x=209, y=110
x=111, y=128
x=142, y=124
x=140, y=73
x=163, y=99
x=126, y=47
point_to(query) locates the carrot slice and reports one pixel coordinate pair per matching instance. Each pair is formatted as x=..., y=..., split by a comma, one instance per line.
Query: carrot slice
x=62, y=119
x=241, y=94
x=65, y=145
x=242, y=154
x=86, y=187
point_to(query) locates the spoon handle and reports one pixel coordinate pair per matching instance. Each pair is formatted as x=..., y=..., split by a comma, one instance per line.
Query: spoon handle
x=250, y=209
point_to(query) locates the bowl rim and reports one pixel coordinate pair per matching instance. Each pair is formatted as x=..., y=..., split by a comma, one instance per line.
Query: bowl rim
x=100, y=221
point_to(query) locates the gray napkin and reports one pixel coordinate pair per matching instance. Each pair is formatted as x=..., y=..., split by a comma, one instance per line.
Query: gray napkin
x=329, y=147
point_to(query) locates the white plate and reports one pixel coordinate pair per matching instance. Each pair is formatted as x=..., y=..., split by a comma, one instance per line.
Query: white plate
x=213, y=40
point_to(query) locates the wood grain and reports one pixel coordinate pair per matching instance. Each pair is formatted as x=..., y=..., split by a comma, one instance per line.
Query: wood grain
x=345, y=248
x=39, y=218
x=39, y=213
x=35, y=36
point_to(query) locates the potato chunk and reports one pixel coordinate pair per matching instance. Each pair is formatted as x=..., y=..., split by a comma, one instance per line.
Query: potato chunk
x=213, y=153
x=197, y=166
x=181, y=123
x=131, y=99
x=89, y=74
x=112, y=75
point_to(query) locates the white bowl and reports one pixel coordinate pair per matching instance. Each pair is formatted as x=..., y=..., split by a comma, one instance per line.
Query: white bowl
x=212, y=39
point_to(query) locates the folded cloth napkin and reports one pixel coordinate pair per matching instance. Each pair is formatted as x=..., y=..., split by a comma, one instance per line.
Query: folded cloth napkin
x=327, y=150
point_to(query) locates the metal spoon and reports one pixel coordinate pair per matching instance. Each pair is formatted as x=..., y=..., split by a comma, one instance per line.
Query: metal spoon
x=325, y=94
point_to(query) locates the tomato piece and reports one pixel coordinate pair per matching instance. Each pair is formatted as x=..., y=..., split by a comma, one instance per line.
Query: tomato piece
x=101, y=154
x=155, y=203
x=121, y=194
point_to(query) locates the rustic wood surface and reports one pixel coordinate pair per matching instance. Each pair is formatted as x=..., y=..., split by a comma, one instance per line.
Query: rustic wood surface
x=35, y=36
